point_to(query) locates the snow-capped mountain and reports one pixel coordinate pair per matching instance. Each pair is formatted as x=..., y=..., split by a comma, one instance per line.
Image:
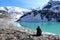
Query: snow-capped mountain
x=15, y=12
x=53, y=6
x=50, y=12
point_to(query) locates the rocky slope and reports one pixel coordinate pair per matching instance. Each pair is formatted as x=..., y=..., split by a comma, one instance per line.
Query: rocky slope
x=24, y=34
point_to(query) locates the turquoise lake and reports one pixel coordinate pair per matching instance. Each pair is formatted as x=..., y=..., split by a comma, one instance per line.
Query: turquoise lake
x=52, y=27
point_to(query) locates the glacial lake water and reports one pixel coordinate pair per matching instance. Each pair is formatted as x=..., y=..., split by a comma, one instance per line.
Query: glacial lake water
x=51, y=27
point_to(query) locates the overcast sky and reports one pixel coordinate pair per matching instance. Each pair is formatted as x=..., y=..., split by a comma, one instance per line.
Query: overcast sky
x=24, y=3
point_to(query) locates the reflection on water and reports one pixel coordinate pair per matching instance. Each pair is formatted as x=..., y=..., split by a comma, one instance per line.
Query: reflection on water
x=53, y=27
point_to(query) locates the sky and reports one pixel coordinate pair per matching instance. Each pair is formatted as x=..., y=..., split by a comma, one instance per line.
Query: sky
x=24, y=3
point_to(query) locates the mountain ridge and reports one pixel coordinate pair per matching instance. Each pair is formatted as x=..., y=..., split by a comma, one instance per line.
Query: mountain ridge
x=15, y=12
x=49, y=13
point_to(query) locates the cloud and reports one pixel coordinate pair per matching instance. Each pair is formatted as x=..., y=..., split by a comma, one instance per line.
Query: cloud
x=33, y=3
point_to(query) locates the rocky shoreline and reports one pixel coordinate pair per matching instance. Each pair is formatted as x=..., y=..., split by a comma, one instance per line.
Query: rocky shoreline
x=24, y=34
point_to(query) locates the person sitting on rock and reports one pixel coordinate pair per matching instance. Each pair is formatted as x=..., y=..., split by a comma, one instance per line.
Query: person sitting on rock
x=39, y=31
